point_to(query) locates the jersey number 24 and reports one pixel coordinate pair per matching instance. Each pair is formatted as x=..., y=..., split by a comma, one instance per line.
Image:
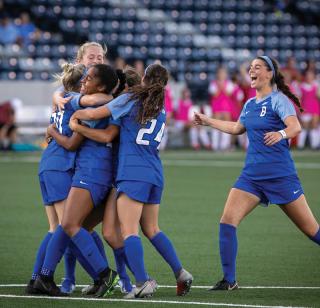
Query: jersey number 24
x=143, y=131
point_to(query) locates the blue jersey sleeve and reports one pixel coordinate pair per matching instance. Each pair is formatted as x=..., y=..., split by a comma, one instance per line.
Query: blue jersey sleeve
x=120, y=106
x=75, y=101
x=115, y=122
x=283, y=106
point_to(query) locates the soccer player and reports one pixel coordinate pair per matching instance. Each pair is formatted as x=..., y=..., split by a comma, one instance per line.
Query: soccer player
x=111, y=226
x=88, y=54
x=56, y=167
x=90, y=185
x=269, y=174
x=140, y=176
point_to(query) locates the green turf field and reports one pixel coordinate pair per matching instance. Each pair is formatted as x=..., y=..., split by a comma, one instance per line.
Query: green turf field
x=277, y=265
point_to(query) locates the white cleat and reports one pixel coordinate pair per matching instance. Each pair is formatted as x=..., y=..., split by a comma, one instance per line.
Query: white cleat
x=146, y=290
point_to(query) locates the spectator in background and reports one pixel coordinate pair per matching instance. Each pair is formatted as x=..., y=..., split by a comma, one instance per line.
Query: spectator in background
x=221, y=90
x=310, y=118
x=291, y=67
x=183, y=121
x=139, y=67
x=120, y=63
x=8, y=129
x=9, y=33
x=28, y=32
x=237, y=102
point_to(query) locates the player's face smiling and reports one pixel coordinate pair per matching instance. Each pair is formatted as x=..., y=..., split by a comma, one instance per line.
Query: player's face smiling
x=259, y=74
x=90, y=83
x=92, y=55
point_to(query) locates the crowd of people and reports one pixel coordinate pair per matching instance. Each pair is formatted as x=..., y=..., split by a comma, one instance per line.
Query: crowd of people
x=21, y=31
x=102, y=164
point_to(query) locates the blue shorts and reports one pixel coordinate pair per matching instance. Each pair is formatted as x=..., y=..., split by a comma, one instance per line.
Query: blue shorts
x=281, y=190
x=140, y=191
x=98, y=192
x=55, y=185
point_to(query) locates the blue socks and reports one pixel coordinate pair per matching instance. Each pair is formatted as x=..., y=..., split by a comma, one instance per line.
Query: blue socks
x=99, y=244
x=164, y=246
x=73, y=253
x=228, y=251
x=70, y=265
x=55, y=250
x=89, y=250
x=134, y=252
x=120, y=258
x=83, y=262
x=316, y=237
x=40, y=256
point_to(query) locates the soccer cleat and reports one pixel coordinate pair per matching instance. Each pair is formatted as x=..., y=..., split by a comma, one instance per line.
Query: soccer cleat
x=224, y=285
x=30, y=289
x=91, y=289
x=107, y=284
x=184, y=282
x=146, y=290
x=46, y=285
x=67, y=286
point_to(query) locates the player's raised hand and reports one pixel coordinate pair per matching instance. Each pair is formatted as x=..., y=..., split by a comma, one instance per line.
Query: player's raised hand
x=201, y=119
x=62, y=101
x=272, y=138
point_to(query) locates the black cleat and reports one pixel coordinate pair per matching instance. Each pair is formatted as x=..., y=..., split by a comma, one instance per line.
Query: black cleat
x=184, y=282
x=107, y=284
x=224, y=285
x=46, y=285
x=30, y=289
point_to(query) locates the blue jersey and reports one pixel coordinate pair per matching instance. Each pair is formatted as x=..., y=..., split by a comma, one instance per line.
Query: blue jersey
x=138, y=152
x=94, y=159
x=259, y=117
x=56, y=157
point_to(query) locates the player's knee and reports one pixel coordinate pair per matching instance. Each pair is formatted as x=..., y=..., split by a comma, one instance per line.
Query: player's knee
x=111, y=237
x=70, y=228
x=150, y=230
x=230, y=220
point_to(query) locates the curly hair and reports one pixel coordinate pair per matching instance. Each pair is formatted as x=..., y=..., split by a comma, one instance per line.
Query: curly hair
x=150, y=94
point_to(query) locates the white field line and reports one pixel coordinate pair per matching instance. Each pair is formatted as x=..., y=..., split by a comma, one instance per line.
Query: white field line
x=173, y=162
x=145, y=301
x=193, y=287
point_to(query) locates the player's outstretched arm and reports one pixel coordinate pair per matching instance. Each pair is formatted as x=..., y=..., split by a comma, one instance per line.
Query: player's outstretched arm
x=69, y=143
x=100, y=135
x=96, y=99
x=233, y=128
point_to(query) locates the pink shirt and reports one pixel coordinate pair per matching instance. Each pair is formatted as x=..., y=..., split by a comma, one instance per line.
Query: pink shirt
x=182, y=113
x=309, y=100
x=221, y=101
x=168, y=105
